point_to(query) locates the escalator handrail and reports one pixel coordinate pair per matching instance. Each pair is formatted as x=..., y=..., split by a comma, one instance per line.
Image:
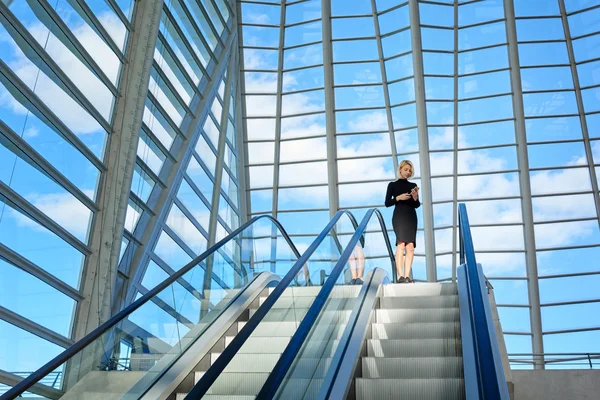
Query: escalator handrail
x=286, y=360
x=343, y=363
x=63, y=357
x=211, y=375
x=481, y=351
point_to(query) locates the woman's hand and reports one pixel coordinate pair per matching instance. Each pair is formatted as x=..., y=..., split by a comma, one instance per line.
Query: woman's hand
x=415, y=193
x=403, y=196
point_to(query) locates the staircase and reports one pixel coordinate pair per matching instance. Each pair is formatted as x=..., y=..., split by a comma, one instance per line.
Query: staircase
x=243, y=378
x=413, y=349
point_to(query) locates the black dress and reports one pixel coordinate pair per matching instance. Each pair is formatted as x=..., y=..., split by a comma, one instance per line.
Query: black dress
x=404, y=219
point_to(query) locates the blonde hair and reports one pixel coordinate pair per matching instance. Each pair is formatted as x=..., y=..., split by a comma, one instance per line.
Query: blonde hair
x=412, y=168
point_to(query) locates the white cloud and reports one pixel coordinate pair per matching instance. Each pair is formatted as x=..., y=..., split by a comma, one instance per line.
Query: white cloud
x=32, y=131
x=56, y=99
x=253, y=18
x=499, y=185
x=63, y=208
x=372, y=121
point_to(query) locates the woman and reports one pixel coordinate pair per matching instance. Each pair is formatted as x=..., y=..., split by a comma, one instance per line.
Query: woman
x=404, y=195
x=357, y=262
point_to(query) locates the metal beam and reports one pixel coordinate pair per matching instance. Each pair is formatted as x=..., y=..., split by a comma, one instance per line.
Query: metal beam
x=426, y=196
x=455, y=249
x=278, y=101
x=172, y=174
x=22, y=263
x=107, y=229
x=28, y=99
x=18, y=145
x=386, y=92
x=34, y=328
x=526, y=203
x=16, y=201
x=10, y=379
x=242, y=150
x=38, y=56
x=330, y=128
x=580, y=108
x=216, y=198
x=224, y=120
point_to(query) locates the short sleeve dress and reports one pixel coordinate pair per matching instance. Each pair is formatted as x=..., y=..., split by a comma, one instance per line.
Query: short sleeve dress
x=404, y=219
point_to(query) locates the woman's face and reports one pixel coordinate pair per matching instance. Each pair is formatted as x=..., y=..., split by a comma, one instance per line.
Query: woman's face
x=405, y=171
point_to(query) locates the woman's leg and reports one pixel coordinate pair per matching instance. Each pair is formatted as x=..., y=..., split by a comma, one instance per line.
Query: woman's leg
x=361, y=262
x=352, y=263
x=410, y=254
x=399, y=259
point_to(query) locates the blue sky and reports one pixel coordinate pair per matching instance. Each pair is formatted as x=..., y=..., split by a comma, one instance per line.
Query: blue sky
x=364, y=149
x=499, y=164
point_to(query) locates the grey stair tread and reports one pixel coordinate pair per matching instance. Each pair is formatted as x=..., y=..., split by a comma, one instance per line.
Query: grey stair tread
x=306, y=302
x=290, y=301
x=270, y=328
x=295, y=314
x=287, y=328
x=262, y=344
x=251, y=362
x=450, y=301
x=414, y=348
x=338, y=291
x=417, y=315
x=418, y=289
x=241, y=384
x=283, y=314
x=412, y=368
x=306, y=367
x=422, y=389
x=416, y=330
x=299, y=389
x=276, y=345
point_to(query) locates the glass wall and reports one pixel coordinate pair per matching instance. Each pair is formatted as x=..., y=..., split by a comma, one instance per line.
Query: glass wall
x=60, y=79
x=510, y=107
x=59, y=82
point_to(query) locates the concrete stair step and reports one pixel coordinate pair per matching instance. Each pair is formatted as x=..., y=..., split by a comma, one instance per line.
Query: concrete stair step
x=417, y=315
x=297, y=314
x=262, y=344
x=421, y=389
x=339, y=291
x=412, y=368
x=414, y=348
x=306, y=302
x=409, y=302
x=416, y=330
x=419, y=289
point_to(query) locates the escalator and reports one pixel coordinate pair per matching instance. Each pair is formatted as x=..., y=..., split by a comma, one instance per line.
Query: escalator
x=261, y=330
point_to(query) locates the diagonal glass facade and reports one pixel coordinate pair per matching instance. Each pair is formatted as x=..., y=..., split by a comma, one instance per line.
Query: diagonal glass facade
x=61, y=77
x=296, y=109
x=59, y=82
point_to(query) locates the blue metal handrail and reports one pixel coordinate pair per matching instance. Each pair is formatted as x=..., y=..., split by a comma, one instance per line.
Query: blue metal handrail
x=286, y=360
x=63, y=357
x=484, y=376
x=210, y=376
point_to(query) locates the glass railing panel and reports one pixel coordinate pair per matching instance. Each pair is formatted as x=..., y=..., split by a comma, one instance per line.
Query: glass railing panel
x=307, y=372
x=263, y=347
x=134, y=352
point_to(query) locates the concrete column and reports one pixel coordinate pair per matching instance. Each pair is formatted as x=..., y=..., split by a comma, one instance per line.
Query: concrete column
x=526, y=204
x=425, y=194
x=332, y=171
x=107, y=229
